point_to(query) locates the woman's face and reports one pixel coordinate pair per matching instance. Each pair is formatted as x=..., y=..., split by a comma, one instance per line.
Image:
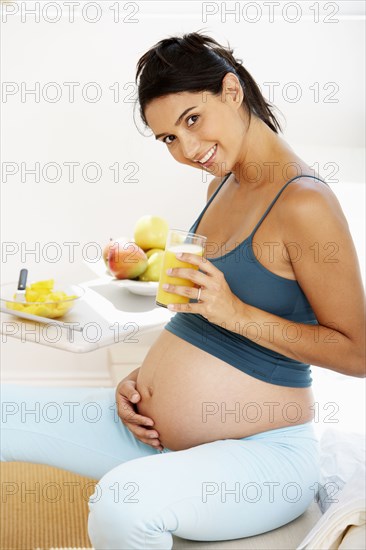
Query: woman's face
x=200, y=129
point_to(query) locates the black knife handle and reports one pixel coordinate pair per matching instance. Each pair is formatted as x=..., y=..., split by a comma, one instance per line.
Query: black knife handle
x=22, y=279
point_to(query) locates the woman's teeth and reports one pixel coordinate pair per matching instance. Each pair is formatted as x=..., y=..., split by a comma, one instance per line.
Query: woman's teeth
x=208, y=155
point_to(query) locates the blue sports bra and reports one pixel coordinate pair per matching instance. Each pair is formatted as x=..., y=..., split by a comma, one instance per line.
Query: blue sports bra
x=255, y=285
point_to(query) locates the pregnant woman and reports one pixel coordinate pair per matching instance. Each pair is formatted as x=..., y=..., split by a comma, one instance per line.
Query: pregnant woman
x=213, y=435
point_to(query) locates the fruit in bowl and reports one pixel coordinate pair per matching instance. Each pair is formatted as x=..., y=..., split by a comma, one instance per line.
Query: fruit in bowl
x=126, y=260
x=151, y=232
x=152, y=251
x=42, y=299
x=154, y=267
x=107, y=249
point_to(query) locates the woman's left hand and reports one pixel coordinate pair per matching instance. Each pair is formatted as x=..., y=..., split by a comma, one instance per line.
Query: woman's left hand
x=216, y=301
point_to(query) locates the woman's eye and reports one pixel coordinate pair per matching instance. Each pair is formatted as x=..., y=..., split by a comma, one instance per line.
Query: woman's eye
x=167, y=137
x=189, y=118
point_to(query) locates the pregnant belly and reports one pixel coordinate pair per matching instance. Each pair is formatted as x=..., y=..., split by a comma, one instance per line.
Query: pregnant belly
x=194, y=397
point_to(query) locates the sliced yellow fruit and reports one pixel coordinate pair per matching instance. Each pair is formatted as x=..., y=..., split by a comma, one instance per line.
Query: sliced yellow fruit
x=56, y=296
x=31, y=295
x=14, y=305
x=47, y=284
x=38, y=295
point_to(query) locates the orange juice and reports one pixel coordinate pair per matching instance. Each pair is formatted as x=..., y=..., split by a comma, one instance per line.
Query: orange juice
x=164, y=298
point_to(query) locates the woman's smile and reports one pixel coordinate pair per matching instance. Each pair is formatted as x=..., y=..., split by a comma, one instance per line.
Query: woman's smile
x=208, y=158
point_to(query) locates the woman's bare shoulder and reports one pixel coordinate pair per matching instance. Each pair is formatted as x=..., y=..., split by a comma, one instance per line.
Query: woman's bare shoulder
x=312, y=201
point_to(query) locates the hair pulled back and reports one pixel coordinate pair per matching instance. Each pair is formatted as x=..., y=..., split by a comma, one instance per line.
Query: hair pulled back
x=196, y=63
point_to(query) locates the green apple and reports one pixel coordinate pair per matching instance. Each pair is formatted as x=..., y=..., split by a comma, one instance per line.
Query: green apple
x=152, y=251
x=151, y=232
x=154, y=267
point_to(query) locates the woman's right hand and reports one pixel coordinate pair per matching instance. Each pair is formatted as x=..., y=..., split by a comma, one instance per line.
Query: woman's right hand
x=126, y=398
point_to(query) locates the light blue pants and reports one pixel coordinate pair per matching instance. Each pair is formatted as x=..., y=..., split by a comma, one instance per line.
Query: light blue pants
x=223, y=490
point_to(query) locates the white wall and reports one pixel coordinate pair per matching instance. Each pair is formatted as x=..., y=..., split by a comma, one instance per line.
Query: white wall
x=104, y=132
x=328, y=55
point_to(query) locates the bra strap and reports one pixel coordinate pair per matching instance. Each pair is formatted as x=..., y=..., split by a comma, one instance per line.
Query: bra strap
x=209, y=202
x=218, y=189
x=276, y=197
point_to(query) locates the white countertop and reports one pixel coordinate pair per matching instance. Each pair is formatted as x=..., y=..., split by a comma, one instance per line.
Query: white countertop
x=108, y=313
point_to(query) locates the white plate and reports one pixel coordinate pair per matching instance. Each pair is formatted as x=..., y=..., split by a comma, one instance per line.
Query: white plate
x=148, y=288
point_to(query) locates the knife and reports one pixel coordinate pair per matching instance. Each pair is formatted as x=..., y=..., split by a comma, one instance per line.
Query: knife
x=20, y=293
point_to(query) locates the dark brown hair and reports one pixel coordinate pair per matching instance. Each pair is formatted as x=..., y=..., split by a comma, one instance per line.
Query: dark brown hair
x=196, y=63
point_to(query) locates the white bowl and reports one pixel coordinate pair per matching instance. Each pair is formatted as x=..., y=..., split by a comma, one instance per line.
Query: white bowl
x=143, y=288
x=51, y=309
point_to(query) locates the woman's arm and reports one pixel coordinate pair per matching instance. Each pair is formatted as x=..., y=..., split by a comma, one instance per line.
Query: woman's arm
x=324, y=259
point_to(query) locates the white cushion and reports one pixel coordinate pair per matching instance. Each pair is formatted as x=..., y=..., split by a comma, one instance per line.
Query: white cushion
x=286, y=537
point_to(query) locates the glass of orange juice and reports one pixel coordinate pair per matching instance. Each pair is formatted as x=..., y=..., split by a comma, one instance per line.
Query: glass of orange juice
x=178, y=241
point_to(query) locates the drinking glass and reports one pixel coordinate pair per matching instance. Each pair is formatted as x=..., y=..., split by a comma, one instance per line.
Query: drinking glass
x=178, y=241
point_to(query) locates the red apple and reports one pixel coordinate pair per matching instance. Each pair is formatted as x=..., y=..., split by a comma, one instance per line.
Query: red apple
x=126, y=260
x=108, y=246
x=105, y=253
